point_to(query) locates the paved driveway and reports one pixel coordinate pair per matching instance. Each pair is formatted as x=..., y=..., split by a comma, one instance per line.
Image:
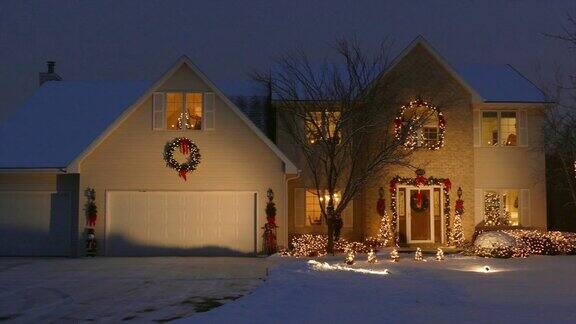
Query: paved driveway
x=122, y=289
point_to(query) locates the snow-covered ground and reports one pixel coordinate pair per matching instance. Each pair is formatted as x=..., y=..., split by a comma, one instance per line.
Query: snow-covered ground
x=112, y=290
x=539, y=289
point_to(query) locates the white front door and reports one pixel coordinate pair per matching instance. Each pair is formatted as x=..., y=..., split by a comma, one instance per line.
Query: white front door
x=419, y=215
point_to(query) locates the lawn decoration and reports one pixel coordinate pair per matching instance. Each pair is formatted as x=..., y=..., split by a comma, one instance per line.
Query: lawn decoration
x=270, y=245
x=90, y=208
x=186, y=147
x=439, y=255
x=457, y=232
x=394, y=255
x=372, y=257
x=384, y=232
x=418, y=255
x=350, y=255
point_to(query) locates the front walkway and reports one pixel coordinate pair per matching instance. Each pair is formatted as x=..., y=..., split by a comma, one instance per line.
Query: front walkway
x=102, y=289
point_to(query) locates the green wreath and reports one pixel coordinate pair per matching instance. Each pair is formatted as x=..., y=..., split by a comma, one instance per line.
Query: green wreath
x=186, y=147
x=423, y=207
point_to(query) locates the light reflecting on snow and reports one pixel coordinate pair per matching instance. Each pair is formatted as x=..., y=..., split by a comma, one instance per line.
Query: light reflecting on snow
x=486, y=269
x=325, y=266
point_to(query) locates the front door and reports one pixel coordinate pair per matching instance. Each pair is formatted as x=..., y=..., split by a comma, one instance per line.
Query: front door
x=419, y=217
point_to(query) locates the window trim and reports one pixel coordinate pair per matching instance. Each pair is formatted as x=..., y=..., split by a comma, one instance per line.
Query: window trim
x=498, y=115
x=312, y=191
x=183, y=110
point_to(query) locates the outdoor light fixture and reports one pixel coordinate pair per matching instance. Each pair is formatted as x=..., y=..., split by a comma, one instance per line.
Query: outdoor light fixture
x=486, y=269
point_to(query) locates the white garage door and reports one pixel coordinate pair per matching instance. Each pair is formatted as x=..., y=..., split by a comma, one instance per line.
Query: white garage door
x=34, y=223
x=180, y=223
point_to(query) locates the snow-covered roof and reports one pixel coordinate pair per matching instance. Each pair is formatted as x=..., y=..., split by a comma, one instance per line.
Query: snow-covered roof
x=500, y=83
x=61, y=119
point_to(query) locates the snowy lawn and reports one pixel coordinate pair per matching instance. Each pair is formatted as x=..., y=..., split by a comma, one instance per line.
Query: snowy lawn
x=539, y=289
x=111, y=290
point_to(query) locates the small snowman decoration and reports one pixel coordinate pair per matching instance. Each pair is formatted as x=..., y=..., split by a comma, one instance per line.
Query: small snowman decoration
x=418, y=255
x=439, y=255
x=394, y=256
x=372, y=257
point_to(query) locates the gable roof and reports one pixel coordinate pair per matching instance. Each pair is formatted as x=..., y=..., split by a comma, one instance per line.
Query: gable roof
x=70, y=128
x=61, y=119
x=486, y=83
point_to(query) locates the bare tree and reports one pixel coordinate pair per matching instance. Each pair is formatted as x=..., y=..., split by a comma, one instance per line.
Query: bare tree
x=340, y=115
x=560, y=125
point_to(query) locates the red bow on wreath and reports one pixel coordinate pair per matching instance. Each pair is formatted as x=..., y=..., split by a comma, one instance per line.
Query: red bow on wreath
x=184, y=146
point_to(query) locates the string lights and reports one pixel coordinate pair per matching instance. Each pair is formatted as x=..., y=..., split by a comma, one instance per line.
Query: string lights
x=418, y=255
x=394, y=256
x=439, y=255
x=531, y=242
x=414, y=137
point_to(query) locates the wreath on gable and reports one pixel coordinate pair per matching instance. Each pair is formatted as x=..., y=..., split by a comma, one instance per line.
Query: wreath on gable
x=186, y=147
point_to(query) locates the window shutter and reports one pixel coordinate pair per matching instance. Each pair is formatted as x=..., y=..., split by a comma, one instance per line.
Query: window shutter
x=525, y=207
x=348, y=215
x=209, y=111
x=158, y=111
x=477, y=120
x=300, y=207
x=478, y=206
x=522, y=128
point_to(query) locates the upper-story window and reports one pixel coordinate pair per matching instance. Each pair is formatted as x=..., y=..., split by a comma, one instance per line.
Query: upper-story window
x=422, y=124
x=499, y=128
x=322, y=124
x=183, y=110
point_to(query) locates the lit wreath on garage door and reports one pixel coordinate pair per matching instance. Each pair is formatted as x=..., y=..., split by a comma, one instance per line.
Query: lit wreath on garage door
x=188, y=148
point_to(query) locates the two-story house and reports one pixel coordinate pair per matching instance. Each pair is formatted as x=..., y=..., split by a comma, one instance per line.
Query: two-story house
x=489, y=144
x=178, y=169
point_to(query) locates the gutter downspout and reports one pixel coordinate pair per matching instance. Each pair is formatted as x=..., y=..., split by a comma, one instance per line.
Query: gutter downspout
x=286, y=181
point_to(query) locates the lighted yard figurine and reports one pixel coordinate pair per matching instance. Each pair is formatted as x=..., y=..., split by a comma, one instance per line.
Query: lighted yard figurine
x=418, y=255
x=350, y=257
x=372, y=257
x=91, y=244
x=394, y=255
x=269, y=235
x=439, y=255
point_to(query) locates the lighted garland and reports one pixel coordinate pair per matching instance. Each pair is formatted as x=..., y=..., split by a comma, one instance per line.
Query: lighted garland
x=412, y=138
x=186, y=147
x=419, y=181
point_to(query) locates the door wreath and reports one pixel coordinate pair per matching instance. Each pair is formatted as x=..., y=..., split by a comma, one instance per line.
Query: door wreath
x=186, y=147
x=419, y=202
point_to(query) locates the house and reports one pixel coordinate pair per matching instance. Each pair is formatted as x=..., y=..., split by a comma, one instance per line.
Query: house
x=111, y=136
x=115, y=136
x=488, y=144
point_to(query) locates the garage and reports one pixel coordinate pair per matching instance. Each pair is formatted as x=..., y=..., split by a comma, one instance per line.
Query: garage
x=149, y=223
x=34, y=223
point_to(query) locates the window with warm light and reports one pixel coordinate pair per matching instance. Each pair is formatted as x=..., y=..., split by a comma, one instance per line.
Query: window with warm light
x=499, y=128
x=322, y=124
x=313, y=209
x=183, y=110
x=502, y=204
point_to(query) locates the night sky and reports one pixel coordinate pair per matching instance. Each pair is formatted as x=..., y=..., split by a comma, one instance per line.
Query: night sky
x=227, y=39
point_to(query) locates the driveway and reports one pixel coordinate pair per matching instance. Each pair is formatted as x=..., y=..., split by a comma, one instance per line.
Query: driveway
x=103, y=289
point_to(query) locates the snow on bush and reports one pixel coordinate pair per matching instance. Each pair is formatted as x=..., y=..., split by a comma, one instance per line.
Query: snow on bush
x=522, y=243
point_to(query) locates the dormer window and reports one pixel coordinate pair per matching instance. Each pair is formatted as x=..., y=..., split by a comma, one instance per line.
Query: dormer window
x=322, y=125
x=183, y=110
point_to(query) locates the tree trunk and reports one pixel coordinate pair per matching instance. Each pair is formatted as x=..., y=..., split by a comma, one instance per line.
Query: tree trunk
x=330, y=246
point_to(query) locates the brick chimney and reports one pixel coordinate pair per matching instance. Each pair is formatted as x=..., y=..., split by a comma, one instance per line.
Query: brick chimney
x=49, y=75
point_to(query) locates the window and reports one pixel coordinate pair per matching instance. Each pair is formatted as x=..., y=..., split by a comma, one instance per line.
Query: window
x=501, y=207
x=183, y=110
x=323, y=124
x=313, y=210
x=429, y=136
x=499, y=128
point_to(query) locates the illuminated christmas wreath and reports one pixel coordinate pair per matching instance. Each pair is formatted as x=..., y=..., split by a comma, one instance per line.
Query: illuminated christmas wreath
x=413, y=140
x=419, y=181
x=186, y=147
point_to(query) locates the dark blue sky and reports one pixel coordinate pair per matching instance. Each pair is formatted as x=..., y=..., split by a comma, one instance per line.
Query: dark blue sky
x=226, y=39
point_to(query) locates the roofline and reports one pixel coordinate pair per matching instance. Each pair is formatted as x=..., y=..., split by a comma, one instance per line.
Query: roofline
x=289, y=166
x=420, y=40
x=526, y=78
x=33, y=169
